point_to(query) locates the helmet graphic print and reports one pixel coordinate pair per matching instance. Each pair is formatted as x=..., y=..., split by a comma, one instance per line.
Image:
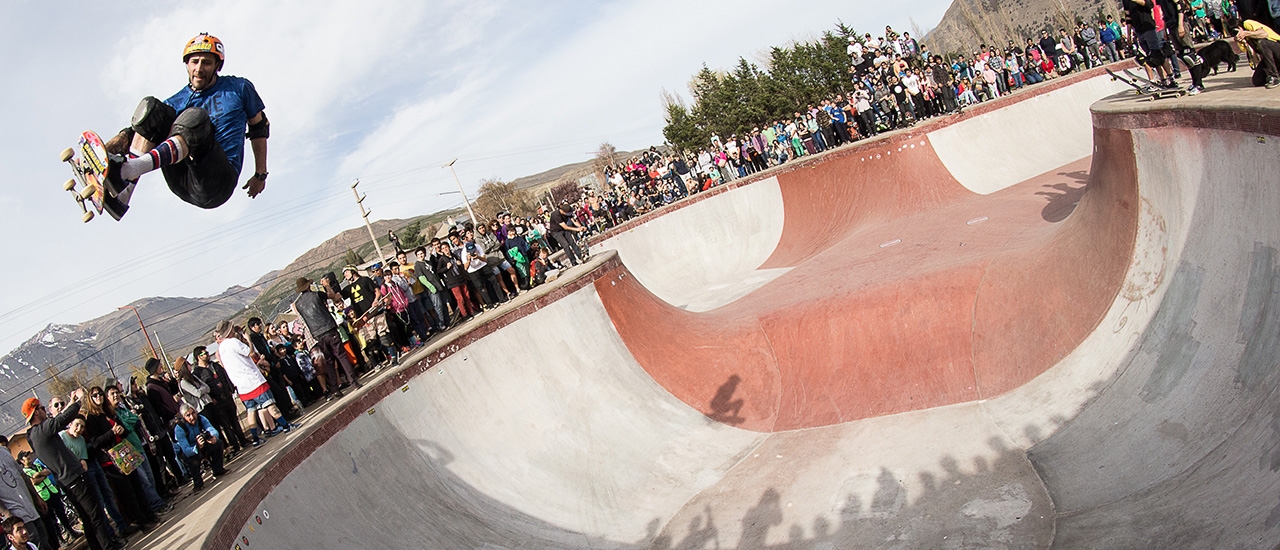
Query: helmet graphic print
x=204, y=43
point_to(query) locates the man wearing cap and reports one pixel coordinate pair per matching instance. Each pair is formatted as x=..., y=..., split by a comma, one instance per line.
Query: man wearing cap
x=311, y=307
x=49, y=448
x=236, y=357
x=222, y=412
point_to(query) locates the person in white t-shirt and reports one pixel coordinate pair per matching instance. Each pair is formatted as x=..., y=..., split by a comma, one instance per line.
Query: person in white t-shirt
x=855, y=51
x=237, y=359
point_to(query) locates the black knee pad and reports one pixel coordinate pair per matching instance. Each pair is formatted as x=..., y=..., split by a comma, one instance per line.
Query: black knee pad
x=152, y=119
x=193, y=125
x=1154, y=59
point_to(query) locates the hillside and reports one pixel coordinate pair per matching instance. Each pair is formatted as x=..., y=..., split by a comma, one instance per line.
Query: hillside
x=970, y=23
x=331, y=256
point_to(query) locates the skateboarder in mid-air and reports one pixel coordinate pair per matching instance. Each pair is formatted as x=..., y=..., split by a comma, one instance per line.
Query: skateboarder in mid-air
x=195, y=138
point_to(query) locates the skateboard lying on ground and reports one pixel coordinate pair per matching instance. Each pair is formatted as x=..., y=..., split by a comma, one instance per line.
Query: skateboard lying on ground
x=88, y=172
x=1150, y=90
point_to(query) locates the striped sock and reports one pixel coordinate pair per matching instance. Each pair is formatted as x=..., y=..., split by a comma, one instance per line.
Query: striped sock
x=166, y=153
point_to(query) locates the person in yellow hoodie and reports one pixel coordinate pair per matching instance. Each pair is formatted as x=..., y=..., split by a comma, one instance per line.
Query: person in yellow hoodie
x=1262, y=44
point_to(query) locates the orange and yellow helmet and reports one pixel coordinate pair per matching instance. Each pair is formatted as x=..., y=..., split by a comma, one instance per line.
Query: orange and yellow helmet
x=204, y=43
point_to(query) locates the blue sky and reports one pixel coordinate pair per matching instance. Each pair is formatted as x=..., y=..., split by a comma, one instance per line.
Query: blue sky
x=382, y=90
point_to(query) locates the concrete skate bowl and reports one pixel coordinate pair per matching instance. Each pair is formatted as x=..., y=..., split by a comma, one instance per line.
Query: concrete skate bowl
x=1027, y=326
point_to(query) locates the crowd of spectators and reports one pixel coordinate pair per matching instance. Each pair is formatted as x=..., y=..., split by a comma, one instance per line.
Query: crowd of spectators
x=895, y=82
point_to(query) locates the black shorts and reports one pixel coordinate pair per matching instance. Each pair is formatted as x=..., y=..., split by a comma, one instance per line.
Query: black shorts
x=206, y=182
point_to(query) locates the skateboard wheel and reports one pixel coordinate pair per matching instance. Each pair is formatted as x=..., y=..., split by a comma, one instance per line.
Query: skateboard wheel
x=86, y=192
x=87, y=217
x=67, y=154
x=70, y=185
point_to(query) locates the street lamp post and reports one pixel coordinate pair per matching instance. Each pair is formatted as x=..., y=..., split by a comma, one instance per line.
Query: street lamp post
x=144, y=329
x=465, y=200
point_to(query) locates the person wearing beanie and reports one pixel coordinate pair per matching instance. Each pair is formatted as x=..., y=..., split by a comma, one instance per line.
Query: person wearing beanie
x=158, y=393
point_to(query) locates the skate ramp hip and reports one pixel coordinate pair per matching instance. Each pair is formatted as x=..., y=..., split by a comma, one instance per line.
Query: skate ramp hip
x=889, y=353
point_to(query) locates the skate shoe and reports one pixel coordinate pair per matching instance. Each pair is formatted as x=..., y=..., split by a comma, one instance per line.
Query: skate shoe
x=115, y=184
x=117, y=205
x=114, y=207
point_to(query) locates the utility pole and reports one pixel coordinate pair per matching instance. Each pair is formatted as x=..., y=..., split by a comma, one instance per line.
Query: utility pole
x=365, y=214
x=144, y=329
x=474, y=219
x=168, y=364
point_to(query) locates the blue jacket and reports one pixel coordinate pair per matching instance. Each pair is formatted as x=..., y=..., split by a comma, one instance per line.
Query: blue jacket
x=185, y=434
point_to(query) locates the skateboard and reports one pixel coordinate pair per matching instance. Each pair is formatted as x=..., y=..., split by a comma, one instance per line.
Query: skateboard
x=1147, y=88
x=88, y=172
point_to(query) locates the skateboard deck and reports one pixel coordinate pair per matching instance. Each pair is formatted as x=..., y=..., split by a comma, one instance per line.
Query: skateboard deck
x=88, y=171
x=1153, y=91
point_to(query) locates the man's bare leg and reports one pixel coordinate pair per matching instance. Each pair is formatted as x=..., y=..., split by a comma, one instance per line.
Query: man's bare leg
x=264, y=419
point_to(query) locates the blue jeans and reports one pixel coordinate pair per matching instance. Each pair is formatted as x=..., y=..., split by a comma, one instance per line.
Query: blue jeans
x=149, y=485
x=106, y=499
x=417, y=313
x=438, y=305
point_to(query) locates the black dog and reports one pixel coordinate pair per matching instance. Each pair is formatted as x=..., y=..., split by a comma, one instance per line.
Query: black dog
x=1220, y=51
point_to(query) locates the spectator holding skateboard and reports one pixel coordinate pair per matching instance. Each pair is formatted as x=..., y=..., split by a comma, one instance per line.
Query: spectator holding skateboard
x=196, y=137
x=562, y=225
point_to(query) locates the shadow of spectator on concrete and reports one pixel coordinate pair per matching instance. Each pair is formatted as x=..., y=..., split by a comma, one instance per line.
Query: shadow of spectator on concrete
x=724, y=408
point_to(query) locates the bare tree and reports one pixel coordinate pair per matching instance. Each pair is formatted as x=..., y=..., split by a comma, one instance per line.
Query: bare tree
x=566, y=190
x=499, y=196
x=606, y=156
